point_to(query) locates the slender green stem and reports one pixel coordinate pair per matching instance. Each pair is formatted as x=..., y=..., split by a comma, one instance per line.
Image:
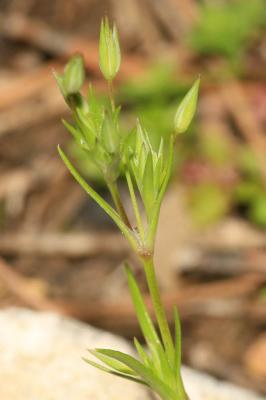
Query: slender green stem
x=111, y=94
x=158, y=308
x=113, y=188
x=135, y=205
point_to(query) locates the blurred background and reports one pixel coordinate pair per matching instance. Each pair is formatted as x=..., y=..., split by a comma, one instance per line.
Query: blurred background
x=58, y=251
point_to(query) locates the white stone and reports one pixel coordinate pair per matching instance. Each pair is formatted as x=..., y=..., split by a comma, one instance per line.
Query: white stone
x=40, y=359
x=203, y=387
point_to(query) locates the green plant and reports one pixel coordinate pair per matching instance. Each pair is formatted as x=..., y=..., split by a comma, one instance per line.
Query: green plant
x=96, y=129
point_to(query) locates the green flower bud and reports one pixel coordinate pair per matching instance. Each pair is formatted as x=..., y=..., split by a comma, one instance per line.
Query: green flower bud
x=74, y=75
x=109, y=51
x=87, y=127
x=186, y=109
x=71, y=81
x=110, y=134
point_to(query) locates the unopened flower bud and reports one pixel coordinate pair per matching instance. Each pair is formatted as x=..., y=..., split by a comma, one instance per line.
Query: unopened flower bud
x=74, y=75
x=186, y=109
x=109, y=51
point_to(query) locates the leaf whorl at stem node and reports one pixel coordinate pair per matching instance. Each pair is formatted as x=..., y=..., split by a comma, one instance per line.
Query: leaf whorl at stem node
x=145, y=254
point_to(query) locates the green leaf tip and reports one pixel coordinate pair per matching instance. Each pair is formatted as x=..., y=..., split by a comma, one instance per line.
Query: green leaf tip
x=113, y=372
x=186, y=109
x=110, y=362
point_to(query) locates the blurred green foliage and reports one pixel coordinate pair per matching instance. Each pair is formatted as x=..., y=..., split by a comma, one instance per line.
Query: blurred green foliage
x=262, y=294
x=226, y=28
x=251, y=190
x=208, y=203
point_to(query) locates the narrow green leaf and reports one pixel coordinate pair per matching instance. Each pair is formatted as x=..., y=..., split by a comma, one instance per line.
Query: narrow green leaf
x=158, y=174
x=148, y=185
x=144, y=319
x=178, y=353
x=142, y=353
x=161, y=148
x=138, y=138
x=117, y=365
x=157, y=205
x=177, y=341
x=155, y=363
x=99, y=200
x=110, y=371
x=136, y=174
x=164, y=370
x=146, y=141
x=140, y=162
x=144, y=372
x=145, y=322
x=74, y=131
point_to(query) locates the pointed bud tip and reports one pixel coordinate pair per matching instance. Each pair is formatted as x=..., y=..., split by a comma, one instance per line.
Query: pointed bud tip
x=109, y=50
x=187, y=109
